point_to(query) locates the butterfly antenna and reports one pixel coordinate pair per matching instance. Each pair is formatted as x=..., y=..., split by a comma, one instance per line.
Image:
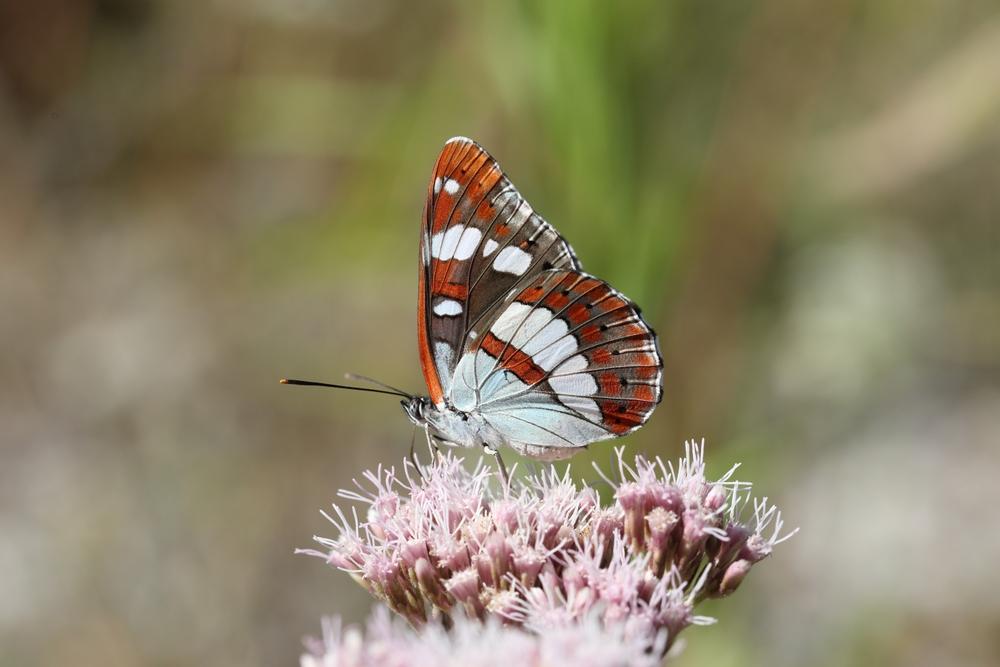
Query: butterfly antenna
x=365, y=378
x=310, y=383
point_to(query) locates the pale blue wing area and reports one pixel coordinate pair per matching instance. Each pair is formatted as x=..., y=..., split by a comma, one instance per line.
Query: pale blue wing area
x=524, y=416
x=465, y=392
x=542, y=421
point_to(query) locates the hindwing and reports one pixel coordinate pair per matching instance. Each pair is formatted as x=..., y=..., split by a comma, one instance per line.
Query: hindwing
x=566, y=361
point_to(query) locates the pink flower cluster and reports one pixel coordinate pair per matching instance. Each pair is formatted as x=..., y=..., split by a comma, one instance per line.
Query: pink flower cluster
x=543, y=553
x=389, y=642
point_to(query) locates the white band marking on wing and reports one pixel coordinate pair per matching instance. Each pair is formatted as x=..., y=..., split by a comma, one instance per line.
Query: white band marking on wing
x=512, y=260
x=448, y=308
x=574, y=364
x=459, y=242
x=579, y=384
x=585, y=406
x=552, y=354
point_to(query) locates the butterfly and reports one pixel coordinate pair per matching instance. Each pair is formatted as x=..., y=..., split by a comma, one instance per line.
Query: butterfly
x=519, y=347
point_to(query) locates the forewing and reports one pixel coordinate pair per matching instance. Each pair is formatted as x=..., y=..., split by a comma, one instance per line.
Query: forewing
x=480, y=240
x=567, y=356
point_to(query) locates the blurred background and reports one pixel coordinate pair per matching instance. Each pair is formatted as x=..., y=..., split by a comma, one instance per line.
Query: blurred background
x=197, y=198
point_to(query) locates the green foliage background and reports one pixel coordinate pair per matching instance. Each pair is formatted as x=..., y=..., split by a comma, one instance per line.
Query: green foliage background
x=199, y=198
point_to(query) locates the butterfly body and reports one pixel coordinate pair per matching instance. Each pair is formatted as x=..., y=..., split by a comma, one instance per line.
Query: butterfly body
x=518, y=346
x=452, y=425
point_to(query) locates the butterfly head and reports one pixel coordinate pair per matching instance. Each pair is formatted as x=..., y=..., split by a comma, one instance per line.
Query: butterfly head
x=417, y=409
x=450, y=425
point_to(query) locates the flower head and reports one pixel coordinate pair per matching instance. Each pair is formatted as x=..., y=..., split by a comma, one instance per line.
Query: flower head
x=542, y=553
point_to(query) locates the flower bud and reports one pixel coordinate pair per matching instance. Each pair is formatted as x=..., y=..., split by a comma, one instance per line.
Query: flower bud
x=549, y=527
x=527, y=563
x=376, y=529
x=413, y=551
x=647, y=585
x=450, y=554
x=694, y=530
x=716, y=498
x=632, y=499
x=464, y=585
x=565, y=536
x=734, y=575
x=430, y=584
x=663, y=495
x=385, y=505
x=505, y=513
x=478, y=529
x=756, y=549
x=661, y=524
x=499, y=551
x=588, y=499
x=673, y=616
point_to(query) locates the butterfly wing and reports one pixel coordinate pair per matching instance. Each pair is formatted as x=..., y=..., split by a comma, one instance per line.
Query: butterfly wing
x=566, y=361
x=480, y=239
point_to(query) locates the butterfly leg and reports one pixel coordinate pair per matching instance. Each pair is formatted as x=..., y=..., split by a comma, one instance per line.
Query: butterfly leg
x=432, y=448
x=432, y=445
x=413, y=456
x=495, y=453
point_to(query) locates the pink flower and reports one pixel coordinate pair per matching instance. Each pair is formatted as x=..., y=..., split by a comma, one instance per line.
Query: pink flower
x=448, y=544
x=389, y=643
